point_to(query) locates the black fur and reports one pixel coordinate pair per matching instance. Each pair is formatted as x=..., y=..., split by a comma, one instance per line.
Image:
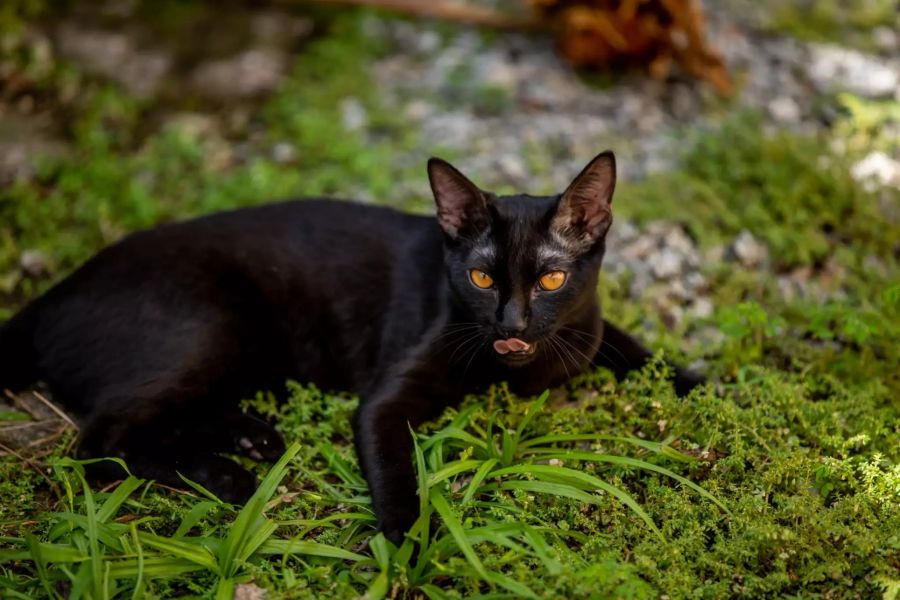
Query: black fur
x=152, y=343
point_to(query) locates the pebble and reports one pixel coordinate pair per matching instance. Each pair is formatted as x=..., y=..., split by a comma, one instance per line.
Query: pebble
x=353, y=114
x=748, y=251
x=284, y=153
x=784, y=109
x=33, y=263
x=666, y=264
x=876, y=168
x=835, y=68
x=702, y=308
x=248, y=74
x=115, y=56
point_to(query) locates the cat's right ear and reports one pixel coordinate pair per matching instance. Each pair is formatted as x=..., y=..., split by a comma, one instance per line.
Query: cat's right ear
x=461, y=206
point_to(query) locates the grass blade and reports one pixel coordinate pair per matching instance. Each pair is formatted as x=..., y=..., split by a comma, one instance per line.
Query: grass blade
x=454, y=468
x=638, y=464
x=479, y=476
x=115, y=500
x=533, y=410
x=251, y=517
x=655, y=447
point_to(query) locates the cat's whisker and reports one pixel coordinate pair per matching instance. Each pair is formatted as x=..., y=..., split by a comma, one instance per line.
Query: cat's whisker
x=471, y=338
x=559, y=340
x=448, y=337
x=561, y=359
x=575, y=348
x=604, y=342
x=478, y=348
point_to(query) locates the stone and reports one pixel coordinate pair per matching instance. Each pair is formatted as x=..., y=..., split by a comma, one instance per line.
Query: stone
x=247, y=74
x=694, y=281
x=33, y=263
x=284, y=153
x=748, y=251
x=702, y=308
x=835, y=68
x=249, y=591
x=666, y=264
x=876, y=168
x=784, y=109
x=513, y=167
x=115, y=56
x=353, y=114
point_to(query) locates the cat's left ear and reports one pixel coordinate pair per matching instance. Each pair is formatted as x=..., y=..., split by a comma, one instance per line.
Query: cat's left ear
x=584, y=212
x=461, y=206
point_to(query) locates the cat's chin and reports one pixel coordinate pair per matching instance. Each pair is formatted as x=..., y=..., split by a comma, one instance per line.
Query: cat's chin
x=519, y=358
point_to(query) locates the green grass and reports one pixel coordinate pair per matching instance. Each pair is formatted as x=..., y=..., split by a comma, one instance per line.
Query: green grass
x=780, y=479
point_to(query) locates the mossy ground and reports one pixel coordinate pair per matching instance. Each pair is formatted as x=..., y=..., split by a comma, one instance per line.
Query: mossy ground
x=799, y=436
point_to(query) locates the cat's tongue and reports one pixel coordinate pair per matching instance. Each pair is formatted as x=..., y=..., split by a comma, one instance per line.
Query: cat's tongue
x=510, y=345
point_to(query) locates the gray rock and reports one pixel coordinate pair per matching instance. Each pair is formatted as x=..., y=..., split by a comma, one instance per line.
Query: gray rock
x=784, y=109
x=748, y=250
x=284, y=153
x=694, y=281
x=353, y=114
x=115, y=56
x=24, y=141
x=835, y=68
x=513, y=167
x=33, y=263
x=248, y=74
x=876, y=168
x=701, y=308
x=666, y=264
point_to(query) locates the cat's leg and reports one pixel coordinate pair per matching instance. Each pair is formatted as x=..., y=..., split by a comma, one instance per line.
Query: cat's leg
x=164, y=448
x=622, y=353
x=384, y=447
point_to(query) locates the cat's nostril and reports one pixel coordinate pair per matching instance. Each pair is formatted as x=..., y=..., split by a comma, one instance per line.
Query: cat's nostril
x=512, y=330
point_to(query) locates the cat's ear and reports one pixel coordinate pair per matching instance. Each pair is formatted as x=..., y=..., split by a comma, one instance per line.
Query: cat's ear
x=584, y=212
x=461, y=206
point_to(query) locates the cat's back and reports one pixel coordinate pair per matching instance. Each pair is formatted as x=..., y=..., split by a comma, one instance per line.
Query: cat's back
x=317, y=272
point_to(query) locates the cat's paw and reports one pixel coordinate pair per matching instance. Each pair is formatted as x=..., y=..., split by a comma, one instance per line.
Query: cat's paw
x=685, y=380
x=257, y=439
x=396, y=523
x=229, y=481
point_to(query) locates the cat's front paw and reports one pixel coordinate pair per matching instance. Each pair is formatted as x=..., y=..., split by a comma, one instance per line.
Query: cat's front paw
x=396, y=523
x=685, y=380
x=257, y=439
x=229, y=481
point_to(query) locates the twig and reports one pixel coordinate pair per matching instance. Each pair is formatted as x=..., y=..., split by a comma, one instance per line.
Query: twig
x=445, y=10
x=55, y=409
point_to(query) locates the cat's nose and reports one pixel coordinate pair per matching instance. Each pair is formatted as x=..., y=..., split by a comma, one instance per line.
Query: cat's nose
x=512, y=329
x=512, y=321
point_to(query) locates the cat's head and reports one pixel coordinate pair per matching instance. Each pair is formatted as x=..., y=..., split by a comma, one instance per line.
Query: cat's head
x=523, y=267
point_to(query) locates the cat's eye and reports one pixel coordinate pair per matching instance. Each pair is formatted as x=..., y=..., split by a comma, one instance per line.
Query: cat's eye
x=480, y=279
x=552, y=280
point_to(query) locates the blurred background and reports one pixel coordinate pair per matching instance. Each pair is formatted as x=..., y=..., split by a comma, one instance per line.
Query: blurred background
x=757, y=238
x=753, y=137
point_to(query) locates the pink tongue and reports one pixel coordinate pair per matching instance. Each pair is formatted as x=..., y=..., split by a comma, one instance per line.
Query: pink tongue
x=510, y=345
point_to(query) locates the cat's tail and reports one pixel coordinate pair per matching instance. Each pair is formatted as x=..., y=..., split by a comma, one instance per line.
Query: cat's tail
x=18, y=366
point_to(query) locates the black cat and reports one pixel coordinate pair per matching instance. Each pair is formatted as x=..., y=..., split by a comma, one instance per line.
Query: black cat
x=153, y=342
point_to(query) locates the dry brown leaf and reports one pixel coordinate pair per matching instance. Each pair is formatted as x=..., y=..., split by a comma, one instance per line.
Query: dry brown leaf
x=655, y=33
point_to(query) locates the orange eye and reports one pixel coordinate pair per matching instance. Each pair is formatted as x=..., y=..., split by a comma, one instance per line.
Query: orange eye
x=481, y=279
x=552, y=281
